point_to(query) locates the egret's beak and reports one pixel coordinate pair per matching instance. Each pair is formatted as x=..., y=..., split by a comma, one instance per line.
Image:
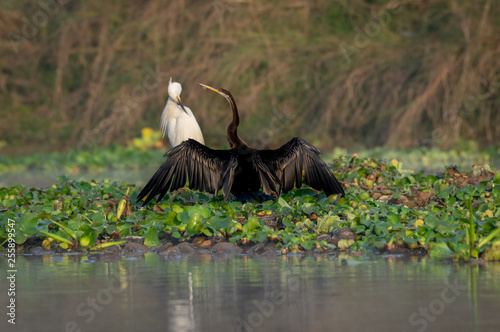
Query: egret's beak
x=210, y=88
x=179, y=102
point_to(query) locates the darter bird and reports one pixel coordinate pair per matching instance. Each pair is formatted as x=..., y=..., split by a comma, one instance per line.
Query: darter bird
x=242, y=170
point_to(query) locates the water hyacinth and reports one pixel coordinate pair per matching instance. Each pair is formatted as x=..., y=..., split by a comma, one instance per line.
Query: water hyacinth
x=451, y=214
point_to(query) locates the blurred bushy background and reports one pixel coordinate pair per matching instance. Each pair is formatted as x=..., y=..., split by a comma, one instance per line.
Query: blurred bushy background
x=339, y=73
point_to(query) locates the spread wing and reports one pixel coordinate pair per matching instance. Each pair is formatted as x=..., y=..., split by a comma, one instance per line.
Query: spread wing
x=298, y=158
x=268, y=179
x=205, y=168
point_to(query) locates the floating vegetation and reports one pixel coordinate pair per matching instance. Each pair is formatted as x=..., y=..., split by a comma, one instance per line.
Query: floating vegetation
x=387, y=208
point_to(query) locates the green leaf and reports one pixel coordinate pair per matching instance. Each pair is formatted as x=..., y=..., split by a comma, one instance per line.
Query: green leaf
x=170, y=218
x=194, y=225
x=445, y=229
x=309, y=244
x=429, y=235
x=406, y=237
x=287, y=222
x=440, y=250
x=20, y=237
x=282, y=203
x=97, y=219
x=107, y=245
x=62, y=179
x=88, y=238
x=151, y=238
x=496, y=179
x=328, y=223
x=124, y=231
x=221, y=223
x=493, y=253
x=9, y=203
x=68, y=230
x=345, y=244
x=183, y=217
x=328, y=245
x=252, y=223
x=203, y=210
x=29, y=224
x=308, y=208
x=487, y=239
x=207, y=232
x=177, y=208
x=56, y=237
x=431, y=221
x=364, y=196
x=110, y=229
x=259, y=236
x=394, y=219
x=82, y=185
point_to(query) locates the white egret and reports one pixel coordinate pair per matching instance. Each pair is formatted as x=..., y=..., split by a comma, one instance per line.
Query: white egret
x=177, y=121
x=242, y=170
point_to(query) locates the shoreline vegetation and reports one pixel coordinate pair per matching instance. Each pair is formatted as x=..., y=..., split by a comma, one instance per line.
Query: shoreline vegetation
x=147, y=151
x=450, y=214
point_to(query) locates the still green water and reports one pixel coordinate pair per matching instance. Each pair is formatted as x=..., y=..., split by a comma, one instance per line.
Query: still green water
x=150, y=293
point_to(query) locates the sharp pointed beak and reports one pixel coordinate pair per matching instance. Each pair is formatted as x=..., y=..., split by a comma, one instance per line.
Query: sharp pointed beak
x=179, y=102
x=210, y=88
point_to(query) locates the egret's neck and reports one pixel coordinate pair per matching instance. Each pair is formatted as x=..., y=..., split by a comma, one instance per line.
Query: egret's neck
x=170, y=111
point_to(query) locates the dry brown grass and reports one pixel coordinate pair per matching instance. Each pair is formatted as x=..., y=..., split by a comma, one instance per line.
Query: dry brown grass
x=431, y=77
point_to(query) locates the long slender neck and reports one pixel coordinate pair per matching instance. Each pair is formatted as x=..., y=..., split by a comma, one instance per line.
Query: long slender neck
x=232, y=127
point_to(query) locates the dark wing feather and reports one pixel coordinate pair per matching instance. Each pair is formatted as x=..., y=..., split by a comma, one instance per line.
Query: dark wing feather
x=192, y=161
x=297, y=158
x=268, y=179
x=226, y=180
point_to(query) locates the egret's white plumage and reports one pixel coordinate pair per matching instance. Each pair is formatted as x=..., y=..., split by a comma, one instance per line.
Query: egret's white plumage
x=177, y=121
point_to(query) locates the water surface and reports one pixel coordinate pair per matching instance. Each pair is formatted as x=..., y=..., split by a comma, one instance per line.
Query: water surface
x=44, y=179
x=149, y=293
